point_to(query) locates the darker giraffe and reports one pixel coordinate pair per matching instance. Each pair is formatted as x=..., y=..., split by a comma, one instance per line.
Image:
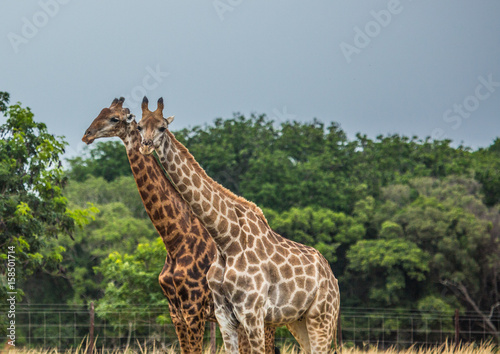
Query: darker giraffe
x=191, y=251
x=259, y=278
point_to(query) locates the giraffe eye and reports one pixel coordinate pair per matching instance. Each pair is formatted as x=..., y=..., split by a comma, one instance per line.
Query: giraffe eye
x=114, y=120
x=139, y=128
x=162, y=129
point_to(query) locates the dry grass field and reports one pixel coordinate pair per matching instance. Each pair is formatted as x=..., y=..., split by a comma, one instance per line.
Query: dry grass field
x=443, y=349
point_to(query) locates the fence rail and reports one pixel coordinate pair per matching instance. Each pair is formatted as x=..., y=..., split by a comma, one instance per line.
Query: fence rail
x=64, y=326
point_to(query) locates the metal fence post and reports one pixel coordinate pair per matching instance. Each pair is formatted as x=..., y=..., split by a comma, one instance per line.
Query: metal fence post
x=59, y=330
x=339, y=332
x=44, y=330
x=30, y=334
x=213, y=341
x=457, y=329
x=91, y=334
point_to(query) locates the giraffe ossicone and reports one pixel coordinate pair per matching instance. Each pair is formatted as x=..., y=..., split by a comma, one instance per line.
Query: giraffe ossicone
x=190, y=249
x=260, y=277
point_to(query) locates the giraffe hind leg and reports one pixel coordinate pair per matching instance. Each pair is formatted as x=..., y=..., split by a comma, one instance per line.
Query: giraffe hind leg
x=196, y=330
x=270, y=333
x=320, y=334
x=321, y=324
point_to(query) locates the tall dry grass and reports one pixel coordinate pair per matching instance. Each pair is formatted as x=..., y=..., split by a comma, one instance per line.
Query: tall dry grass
x=468, y=348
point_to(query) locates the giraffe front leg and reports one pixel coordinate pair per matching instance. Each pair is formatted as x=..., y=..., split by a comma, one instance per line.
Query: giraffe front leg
x=195, y=330
x=253, y=323
x=181, y=329
x=244, y=344
x=228, y=328
x=189, y=332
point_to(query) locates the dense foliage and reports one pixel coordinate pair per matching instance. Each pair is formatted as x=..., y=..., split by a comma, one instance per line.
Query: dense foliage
x=108, y=161
x=405, y=222
x=33, y=209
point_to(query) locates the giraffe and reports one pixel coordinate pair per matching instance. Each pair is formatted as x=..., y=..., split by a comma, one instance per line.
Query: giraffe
x=259, y=277
x=190, y=249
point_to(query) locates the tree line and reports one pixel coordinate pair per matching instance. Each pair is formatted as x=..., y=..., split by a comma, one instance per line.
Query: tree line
x=405, y=222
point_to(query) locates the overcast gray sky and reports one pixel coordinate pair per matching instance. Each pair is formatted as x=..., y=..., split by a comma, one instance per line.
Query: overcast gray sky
x=426, y=68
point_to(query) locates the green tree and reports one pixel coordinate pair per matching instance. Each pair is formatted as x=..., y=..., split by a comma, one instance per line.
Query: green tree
x=448, y=220
x=119, y=226
x=302, y=167
x=320, y=228
x=33, y=209
x=114, y=229
x=130, y=280
x=396, y=159
x=392, y=268
x=300, y=164
x=487, y=172
x=226, y=149
x=107, y=159
x=4, y=101
x=97, y=190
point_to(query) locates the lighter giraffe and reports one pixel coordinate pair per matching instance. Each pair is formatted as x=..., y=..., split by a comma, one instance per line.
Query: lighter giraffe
x=259, y=277
x=191, y=250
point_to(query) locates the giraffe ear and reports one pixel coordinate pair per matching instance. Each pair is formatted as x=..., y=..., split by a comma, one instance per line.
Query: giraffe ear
x=170, y=119
x=160, y=105
x=144, y=105
x=120, y=101
x=129, y=118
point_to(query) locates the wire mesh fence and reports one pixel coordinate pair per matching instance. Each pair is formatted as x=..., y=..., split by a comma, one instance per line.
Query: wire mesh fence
x=402, y=328
x=64, y=326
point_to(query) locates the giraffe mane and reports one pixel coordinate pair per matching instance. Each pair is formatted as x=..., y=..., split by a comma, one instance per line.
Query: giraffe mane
x=252, y=206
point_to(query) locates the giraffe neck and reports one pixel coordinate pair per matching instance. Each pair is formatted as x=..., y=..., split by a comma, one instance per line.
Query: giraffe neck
x=219, y=210
x=163, y=204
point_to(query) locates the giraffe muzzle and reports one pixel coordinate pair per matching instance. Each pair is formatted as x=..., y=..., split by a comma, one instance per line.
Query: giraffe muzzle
x=88, y=138
x=147, y=147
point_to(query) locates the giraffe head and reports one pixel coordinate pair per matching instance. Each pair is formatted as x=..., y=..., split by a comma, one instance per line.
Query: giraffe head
x=152, y=126
x=112, y=121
